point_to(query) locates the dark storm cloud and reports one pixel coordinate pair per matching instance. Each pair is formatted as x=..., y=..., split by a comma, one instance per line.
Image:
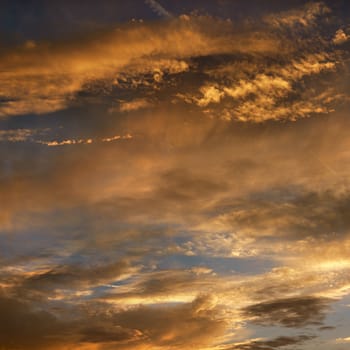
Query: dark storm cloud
x=290, y=312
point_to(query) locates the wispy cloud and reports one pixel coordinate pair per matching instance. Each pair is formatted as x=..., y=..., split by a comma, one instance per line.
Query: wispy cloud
x=158, y=9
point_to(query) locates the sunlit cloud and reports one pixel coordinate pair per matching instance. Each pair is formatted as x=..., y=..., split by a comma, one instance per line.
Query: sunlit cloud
x=342, y=340
x=45, y=78
x=305, y=16
x=175, y=176
x=340, y=37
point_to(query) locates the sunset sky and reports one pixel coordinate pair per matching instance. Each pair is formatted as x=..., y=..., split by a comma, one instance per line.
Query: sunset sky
x=174, y=175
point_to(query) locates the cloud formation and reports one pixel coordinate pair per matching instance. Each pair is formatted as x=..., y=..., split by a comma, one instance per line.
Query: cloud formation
x=44, y=78
x=291, y=312
x=177, y=183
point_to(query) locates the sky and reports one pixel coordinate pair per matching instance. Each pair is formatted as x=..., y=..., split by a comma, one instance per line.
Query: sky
x=174, y=175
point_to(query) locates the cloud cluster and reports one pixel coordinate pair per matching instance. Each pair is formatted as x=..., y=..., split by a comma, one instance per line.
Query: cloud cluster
x=43, y=78
x=209, y=221
x=274, y=83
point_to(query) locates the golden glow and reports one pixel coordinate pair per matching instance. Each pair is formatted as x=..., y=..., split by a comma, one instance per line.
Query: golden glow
x=175, y=181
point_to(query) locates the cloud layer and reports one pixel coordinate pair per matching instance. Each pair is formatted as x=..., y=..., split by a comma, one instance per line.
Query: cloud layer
x=179, y=183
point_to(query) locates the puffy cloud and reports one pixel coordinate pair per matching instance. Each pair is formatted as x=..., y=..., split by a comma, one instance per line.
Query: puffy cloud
x=211, y=94
x=340, y=37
